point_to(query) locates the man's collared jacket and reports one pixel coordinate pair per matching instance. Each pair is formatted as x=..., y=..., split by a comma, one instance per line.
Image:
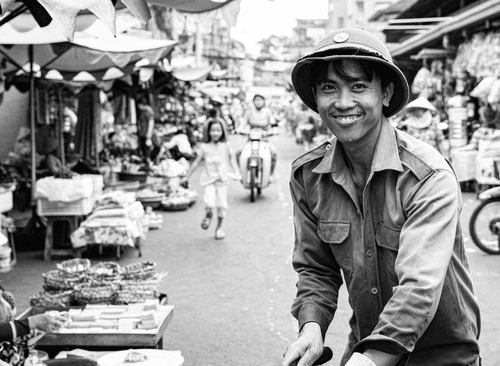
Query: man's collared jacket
x=401, y=251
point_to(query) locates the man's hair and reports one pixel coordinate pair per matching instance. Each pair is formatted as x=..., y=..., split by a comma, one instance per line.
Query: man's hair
x=207, y=138
x=369, y=70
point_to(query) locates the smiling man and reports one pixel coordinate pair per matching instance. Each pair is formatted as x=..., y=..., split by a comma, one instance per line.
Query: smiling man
x=379, y=210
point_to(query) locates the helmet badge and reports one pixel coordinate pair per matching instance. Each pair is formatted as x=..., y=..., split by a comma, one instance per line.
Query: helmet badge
x=341, y=37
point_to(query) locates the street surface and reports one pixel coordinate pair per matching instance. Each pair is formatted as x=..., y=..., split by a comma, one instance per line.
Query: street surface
x=232, y=297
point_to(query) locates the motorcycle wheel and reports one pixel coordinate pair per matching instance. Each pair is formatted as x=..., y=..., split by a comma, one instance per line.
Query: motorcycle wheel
x=253, y=184
x=484, y=226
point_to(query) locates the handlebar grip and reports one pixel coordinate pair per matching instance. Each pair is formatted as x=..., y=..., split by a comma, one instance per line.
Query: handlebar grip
x=325, y=357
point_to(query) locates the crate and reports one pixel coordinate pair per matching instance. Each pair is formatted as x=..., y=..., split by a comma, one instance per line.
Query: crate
x=464, y=163
x=6, y=201
x=74, y=208
x=485, y=171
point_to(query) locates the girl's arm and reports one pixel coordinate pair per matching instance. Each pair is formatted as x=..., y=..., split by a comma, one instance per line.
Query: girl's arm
x=194, y=166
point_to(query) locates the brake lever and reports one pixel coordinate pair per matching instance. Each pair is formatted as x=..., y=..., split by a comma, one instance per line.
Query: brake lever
x=324, y=358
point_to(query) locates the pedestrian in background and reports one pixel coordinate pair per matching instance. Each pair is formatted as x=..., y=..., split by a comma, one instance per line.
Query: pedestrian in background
x=146, y=124
x=217, y=158
x=380, y=210
x=422, y=123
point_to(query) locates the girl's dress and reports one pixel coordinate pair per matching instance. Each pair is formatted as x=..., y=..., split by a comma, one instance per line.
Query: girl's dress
x=214, y=177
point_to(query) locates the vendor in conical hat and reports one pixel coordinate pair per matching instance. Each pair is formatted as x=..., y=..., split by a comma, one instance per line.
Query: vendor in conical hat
x=422, y=123
x=420, y=113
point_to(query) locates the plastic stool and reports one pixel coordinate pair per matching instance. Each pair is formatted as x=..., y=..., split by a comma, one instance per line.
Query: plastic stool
x=73, y=223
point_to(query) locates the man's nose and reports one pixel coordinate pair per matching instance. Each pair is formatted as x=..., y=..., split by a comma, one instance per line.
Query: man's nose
x=344, y=100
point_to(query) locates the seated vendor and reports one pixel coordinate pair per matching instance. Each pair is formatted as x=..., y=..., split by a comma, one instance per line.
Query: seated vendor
x=490, y=124
x=177, y=145
x=74, y=164
x=12, y=332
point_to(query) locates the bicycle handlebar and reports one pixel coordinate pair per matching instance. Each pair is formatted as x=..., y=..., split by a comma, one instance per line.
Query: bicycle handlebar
x=324, y=358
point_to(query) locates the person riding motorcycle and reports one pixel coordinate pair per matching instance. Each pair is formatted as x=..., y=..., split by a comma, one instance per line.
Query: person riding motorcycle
x=259, y=116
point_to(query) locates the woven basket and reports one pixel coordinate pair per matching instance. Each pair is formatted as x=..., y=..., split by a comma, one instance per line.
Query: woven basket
x=94, y=295
x=127, y=297
x=58, y=281
x=62, y=299
x=139, y=271
x=148, y=285
x=104, y=273
x=76, y=265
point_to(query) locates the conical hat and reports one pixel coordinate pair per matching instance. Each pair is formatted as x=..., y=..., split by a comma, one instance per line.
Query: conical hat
x=420, y=122
x=421, y=102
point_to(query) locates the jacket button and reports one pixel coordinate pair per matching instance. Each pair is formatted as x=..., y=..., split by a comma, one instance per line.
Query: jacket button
x=327, y=147
x=369, y=253
x=374, y=290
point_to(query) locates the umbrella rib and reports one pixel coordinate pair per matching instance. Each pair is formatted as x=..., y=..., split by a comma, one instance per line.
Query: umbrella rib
x=18, y=11
x=10, y=59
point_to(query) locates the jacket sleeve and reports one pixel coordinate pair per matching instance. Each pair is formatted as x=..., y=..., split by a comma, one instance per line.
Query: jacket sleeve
x=426, y=243
x=319, y=276
x=13, y=329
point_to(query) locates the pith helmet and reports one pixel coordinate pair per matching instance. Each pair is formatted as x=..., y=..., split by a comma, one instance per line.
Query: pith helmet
x=350, y=43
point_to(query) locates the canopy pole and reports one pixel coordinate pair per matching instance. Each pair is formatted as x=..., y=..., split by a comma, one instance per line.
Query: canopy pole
x=32, y=122
x=60, y=125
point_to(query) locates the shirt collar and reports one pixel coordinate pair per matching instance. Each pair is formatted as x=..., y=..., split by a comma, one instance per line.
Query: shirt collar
x=386, y=154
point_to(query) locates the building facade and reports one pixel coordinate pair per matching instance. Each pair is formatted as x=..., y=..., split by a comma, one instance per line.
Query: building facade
x=355, y=13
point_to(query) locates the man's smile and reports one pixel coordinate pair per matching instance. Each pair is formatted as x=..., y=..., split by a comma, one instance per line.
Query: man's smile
x=346, y=118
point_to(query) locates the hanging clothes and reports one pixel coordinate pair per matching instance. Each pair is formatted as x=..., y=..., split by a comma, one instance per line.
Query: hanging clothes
x=88, y=140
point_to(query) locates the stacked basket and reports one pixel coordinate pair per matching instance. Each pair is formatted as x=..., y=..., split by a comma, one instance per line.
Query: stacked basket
x=76, y=282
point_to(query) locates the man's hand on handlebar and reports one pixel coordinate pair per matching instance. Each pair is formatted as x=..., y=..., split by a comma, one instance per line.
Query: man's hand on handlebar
x=307, y=348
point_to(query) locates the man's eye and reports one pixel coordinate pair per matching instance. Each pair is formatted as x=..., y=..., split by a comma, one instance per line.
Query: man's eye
x=326, y=87
x=359, y=87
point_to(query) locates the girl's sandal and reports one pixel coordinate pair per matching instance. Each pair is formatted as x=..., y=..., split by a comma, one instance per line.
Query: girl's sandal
x=205, y=224
x=220, y=234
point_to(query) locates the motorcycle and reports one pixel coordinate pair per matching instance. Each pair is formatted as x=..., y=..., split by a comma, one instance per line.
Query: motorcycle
x=484, y=224
x=255, y=161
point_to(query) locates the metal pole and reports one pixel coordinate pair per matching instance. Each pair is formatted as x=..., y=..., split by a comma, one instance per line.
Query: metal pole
x=60, y=124
x=32, y=123
x=97, y=123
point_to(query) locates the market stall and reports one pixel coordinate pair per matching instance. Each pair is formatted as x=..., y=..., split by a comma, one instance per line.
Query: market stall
x=107, y=306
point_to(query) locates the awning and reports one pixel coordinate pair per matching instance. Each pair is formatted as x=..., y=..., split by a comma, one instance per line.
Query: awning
x=192, y=74
x=486, y=10
x=64, y=13
x=89, y=52
x=191, y=6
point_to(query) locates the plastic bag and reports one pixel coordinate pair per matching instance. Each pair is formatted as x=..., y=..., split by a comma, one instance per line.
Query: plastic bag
x=422, y=82
x=483, y=89
x=494, y=96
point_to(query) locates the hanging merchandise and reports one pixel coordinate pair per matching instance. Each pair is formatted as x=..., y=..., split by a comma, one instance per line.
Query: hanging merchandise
x=422, y=84
x=457, y=117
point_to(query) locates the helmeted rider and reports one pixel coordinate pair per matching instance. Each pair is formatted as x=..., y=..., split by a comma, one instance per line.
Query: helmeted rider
x=260, y=116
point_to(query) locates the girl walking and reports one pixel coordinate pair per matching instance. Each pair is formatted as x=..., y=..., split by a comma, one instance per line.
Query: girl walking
x=217, y=157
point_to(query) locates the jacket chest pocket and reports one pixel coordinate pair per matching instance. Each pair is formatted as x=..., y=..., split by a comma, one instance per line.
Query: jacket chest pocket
x=336, y=234
x=387, y=239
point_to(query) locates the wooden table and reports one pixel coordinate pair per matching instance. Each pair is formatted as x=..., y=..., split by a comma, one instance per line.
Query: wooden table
x=53, y=343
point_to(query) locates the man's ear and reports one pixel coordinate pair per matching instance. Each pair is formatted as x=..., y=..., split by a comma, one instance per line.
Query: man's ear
x=388, y=93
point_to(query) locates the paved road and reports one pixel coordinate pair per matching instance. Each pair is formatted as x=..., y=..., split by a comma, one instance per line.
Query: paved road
x=232, y=297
